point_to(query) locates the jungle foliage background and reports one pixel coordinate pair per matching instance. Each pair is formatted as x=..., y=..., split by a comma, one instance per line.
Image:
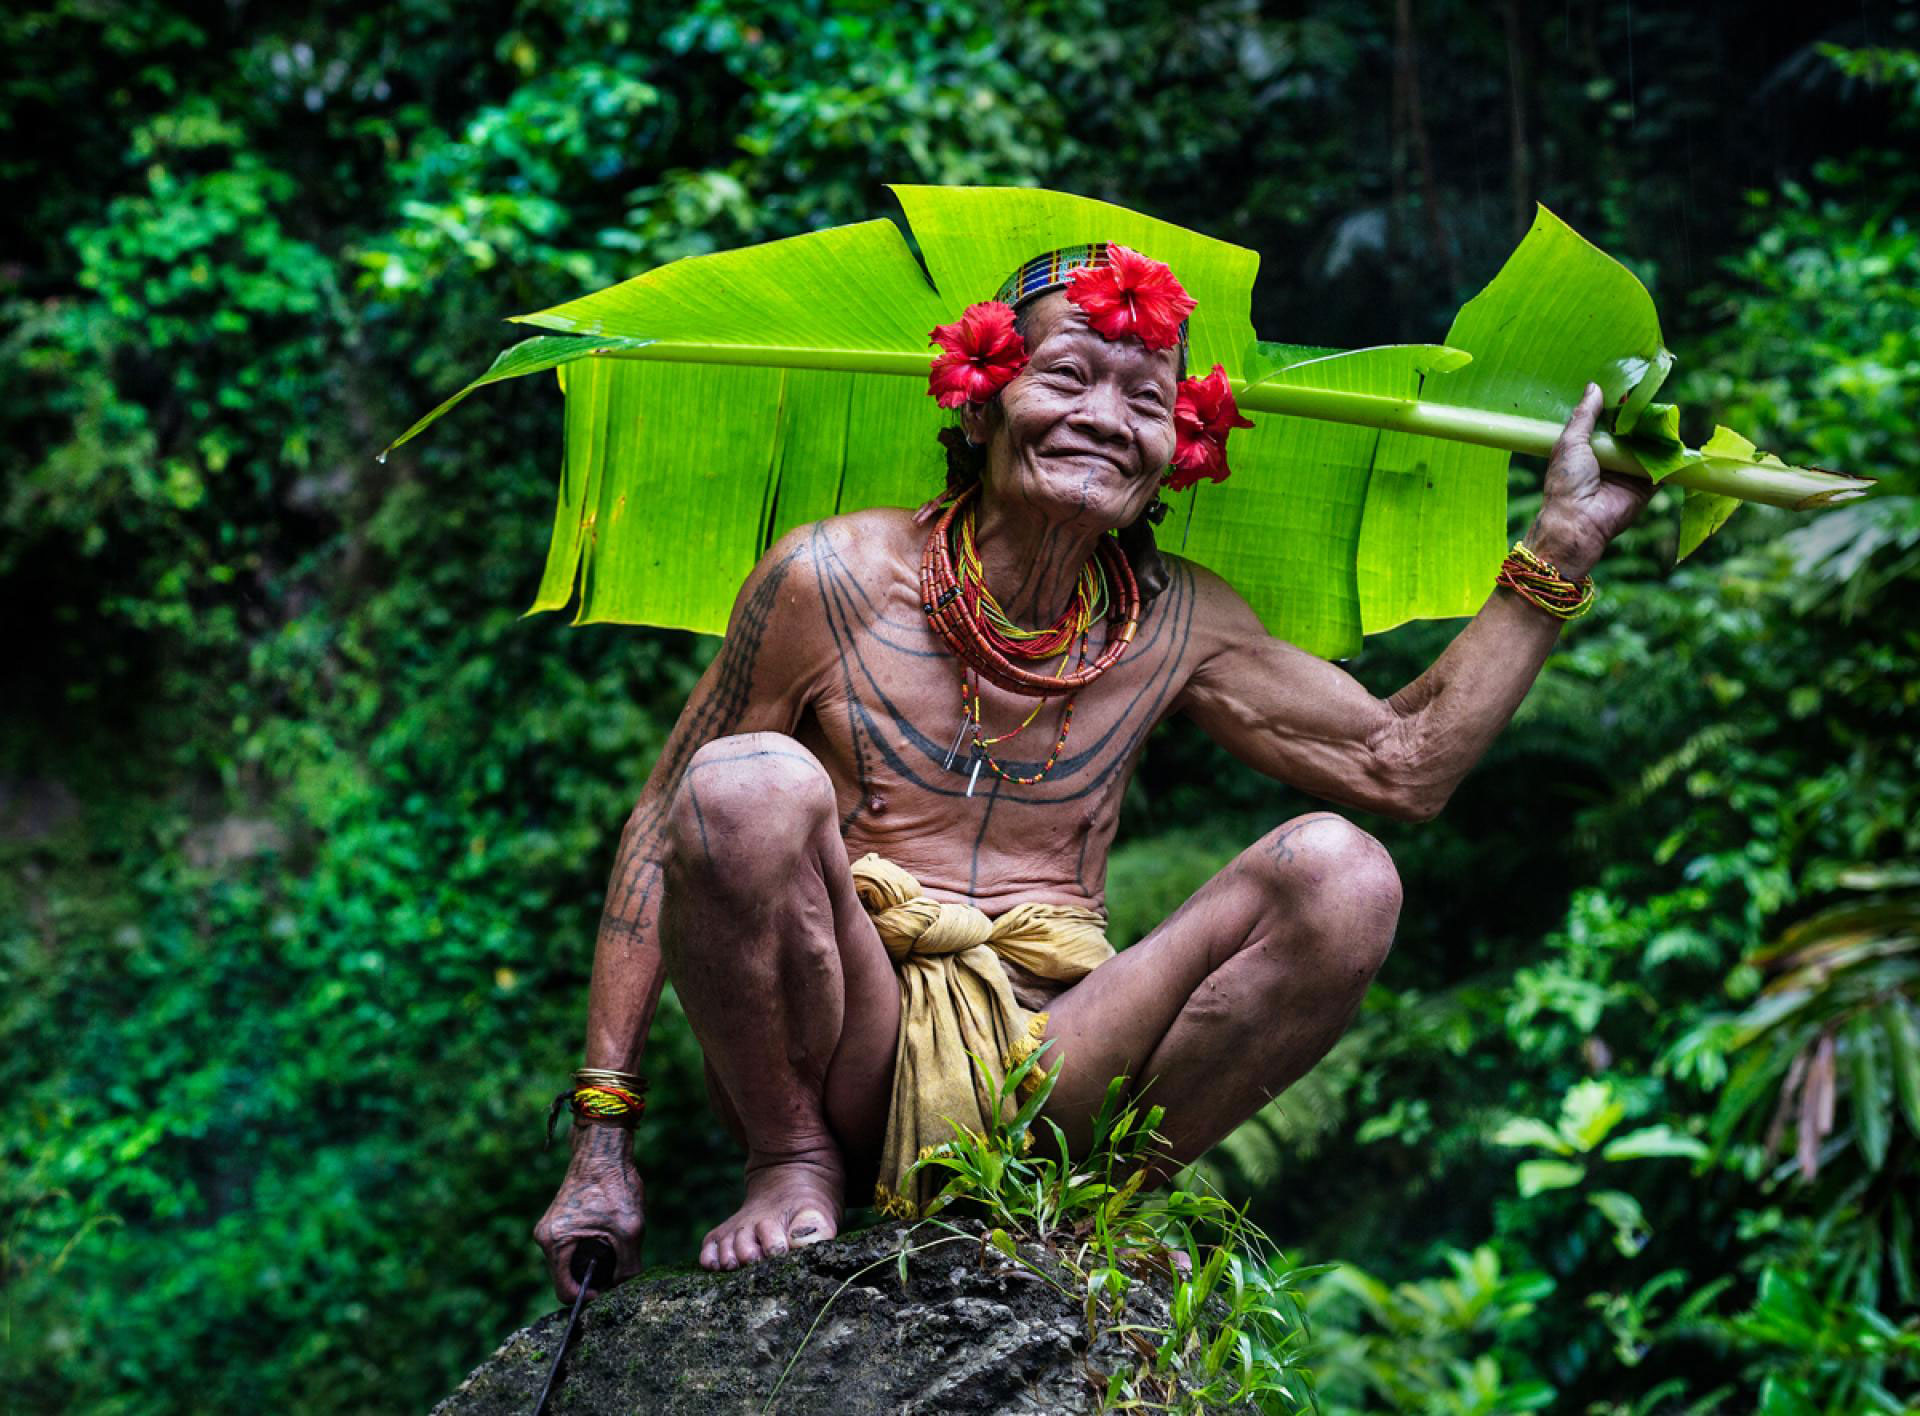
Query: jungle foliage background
x=305, y=830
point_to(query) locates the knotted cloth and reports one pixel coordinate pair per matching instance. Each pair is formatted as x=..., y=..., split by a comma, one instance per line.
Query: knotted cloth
x=954, y=1000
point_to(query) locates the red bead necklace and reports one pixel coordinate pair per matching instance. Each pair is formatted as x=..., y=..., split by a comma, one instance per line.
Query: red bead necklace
x=954, y=610
x=962, y=611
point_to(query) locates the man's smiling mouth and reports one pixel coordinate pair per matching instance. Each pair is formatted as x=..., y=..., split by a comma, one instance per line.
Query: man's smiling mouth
x=1089, y=455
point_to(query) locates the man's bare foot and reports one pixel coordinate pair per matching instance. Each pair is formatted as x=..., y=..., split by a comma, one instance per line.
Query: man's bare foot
x=789, y=1204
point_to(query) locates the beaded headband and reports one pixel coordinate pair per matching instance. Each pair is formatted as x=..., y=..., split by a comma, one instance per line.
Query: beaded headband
x=1048, y=272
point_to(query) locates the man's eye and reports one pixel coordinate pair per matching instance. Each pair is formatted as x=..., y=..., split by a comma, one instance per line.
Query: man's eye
x=1068, y=373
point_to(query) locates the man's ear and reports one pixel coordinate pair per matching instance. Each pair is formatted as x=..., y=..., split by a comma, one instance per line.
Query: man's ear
x=1149, y=569
x=974, y=423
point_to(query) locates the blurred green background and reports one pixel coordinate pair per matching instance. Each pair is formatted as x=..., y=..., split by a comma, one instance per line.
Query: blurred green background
x=305, y=830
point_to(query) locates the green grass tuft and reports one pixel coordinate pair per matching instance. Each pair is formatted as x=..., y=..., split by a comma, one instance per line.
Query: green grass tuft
x=1233, y=1331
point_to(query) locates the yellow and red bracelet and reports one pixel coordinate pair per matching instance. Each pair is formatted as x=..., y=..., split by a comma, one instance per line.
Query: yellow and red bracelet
x=601, y=1096
x=1541, y=584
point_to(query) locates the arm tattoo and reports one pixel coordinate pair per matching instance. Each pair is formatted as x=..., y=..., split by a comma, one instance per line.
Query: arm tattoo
x=641, y=866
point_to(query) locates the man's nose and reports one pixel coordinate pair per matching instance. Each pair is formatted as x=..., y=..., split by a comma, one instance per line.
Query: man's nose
x=1101, y=412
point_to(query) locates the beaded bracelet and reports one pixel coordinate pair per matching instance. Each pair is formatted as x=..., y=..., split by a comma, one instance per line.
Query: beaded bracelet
x=601, y=1096
x=1541, y=584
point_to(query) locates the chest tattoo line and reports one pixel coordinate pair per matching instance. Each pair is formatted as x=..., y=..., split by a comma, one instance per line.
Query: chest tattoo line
x=1162, y=649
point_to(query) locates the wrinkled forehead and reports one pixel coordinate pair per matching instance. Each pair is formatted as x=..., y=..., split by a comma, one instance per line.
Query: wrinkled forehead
x=1053, y=316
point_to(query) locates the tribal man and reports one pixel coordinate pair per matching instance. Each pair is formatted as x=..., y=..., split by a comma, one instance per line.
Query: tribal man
x=877, y=837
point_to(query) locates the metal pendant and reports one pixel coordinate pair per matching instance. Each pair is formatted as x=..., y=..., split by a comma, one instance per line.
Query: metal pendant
x=958, y=738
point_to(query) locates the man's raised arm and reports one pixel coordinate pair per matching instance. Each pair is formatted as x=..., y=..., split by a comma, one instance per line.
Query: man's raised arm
x=1309, y=723
x=755, y=684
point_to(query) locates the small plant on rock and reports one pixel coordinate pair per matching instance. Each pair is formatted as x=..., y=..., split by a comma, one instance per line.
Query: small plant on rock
x=1232, y=1332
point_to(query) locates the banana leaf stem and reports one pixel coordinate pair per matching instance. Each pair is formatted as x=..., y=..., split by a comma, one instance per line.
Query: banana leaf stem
x=1796, y=488
x=845, y=361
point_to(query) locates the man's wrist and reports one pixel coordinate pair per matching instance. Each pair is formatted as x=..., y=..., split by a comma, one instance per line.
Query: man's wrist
x=595, y=1143
x=1529, y=576
x=1562, y=549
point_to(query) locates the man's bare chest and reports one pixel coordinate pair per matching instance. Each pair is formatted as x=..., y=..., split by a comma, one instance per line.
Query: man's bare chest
x=1022, y=807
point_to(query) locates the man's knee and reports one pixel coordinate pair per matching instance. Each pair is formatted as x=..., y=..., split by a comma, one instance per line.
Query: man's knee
x=1322, y=867
x=748, y=800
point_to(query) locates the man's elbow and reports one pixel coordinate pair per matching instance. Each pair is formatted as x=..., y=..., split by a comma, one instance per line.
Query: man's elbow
x=1404, y=798
x=1418, y=805
x=1413, y=790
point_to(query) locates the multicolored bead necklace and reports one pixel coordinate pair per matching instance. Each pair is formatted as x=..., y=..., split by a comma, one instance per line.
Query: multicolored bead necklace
x=956, y=613
x=970, y=717
x=987, y=642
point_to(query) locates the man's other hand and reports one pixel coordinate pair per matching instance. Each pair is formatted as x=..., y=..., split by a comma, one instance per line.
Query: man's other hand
x=1584, y=506
x=601, y=1198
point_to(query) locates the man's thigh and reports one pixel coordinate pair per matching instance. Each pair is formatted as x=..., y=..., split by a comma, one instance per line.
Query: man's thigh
x=1110, y=1022
x=1114, y=1021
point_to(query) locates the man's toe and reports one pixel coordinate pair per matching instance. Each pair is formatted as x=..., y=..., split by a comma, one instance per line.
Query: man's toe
x=810, y=1226
x=771, y=1236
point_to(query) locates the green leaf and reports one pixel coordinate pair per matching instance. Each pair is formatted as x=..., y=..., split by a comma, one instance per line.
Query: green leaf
x=1043, y=1088
x=1903, y=1056
x=1871, y=1095
x=1525, y=1131
x=779, y=401
x=716, y=402
x=972, y=238
x=1900, y=1249
x=1623, y=1212
x=1208, y=1277
x=529, y=356
x=1780, y=1397
x=1183, y=1306
x=1224, y=1342
x=1588, y=1113
x=1527, y=1396
x=1108, y=1116
x=1523, y=1288
x=1788, y=1305
x=1651, y=1141
x=1701, y=514
x=1655, y=439
x=1537, y=1176
x=1123, y=1196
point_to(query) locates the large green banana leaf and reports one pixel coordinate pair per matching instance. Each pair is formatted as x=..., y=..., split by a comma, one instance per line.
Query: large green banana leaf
x=716, y=402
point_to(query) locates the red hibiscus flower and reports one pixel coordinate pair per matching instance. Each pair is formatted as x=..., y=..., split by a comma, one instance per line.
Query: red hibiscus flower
x=1133, y=294
x=981, y=353
x=1203, y=414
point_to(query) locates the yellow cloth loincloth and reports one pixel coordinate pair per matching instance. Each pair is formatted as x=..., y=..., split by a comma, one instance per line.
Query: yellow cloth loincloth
x=955, y=1000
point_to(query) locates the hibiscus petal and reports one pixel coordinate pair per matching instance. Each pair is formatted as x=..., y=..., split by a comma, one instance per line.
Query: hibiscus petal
x=981, y=352
x=1132, y=295
x=1204, y=413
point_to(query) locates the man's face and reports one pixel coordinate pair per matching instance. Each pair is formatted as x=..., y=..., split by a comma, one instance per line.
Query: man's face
x=1086, y=431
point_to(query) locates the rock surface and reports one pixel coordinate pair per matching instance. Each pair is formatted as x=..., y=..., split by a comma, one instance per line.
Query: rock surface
x=969, y=1332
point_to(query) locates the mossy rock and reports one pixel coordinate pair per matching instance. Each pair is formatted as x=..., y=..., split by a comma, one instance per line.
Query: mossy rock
x=831, y=1327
